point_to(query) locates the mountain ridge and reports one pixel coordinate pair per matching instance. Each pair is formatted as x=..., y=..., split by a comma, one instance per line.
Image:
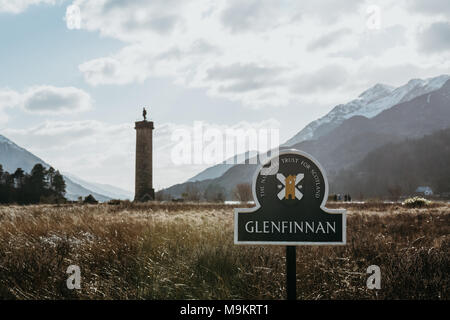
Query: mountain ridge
x=13, y=156
x=101, y=188
x=370, y=103
x=358, y=135
x=404, y=167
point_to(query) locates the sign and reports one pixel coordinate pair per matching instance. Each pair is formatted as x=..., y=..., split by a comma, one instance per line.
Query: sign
x=290, y=192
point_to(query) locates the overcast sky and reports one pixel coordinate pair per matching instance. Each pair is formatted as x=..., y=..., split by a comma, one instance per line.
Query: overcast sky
x=71, y=95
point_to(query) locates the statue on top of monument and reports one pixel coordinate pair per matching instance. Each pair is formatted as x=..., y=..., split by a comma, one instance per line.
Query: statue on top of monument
x=144, y=113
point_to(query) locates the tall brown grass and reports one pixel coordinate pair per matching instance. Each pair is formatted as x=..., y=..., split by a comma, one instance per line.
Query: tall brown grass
x=186, y=251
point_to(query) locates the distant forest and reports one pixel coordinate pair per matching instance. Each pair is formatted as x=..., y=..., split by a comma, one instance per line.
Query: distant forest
x=398, y=169
x=40, y=186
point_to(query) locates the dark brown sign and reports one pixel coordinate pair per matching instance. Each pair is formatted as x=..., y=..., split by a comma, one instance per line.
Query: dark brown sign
x=290, y=193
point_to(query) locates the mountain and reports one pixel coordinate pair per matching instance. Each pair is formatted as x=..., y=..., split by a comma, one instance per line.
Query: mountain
x=239, y=173
x=211, y=172
x=368, y=104
x=357, y=136
x=75, y=190
x=12, y=157
x=399, y=168
x=354, y=138
x=219, y=169
x=104, y=189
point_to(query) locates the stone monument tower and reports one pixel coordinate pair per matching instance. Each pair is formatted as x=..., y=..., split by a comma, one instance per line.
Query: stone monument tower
x=144, y=160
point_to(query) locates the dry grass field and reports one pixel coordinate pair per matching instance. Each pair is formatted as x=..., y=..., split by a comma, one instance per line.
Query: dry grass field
x=186, y=251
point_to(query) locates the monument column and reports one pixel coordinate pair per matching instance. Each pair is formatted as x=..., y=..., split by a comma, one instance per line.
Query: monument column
x=144, y=160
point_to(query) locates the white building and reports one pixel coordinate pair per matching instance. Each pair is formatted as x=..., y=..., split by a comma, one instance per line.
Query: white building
x=425, y=190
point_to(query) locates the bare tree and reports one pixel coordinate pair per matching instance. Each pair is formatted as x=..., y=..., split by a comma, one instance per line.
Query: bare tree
x=243, y=192
x=214, y=193
x=161, y=195
x=192, y=193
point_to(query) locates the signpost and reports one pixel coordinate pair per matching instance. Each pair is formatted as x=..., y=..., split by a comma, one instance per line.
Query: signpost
x=290, y=192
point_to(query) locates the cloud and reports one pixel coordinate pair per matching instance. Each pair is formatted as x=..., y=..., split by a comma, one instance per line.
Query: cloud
x=436, y=38
x=330, y=11
x=435, y=7
x=328, y=39
x=242, y=78
x=230, y=48
x=47, y=99
x=256, y=15
x=249, y=52
x=131, y=20
x=106, y=70
x=266, y=15
x=375, y=43
x=324, y=79
x=8, y=98
x=18, y=6
x=237, y=71
x=51, y=100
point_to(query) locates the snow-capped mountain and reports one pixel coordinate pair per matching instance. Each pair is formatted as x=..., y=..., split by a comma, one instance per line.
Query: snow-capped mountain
x=13, y=156
x=104, y=189
x=368, y=104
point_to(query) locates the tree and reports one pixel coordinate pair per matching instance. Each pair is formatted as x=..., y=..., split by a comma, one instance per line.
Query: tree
x=161, y=195
x=58, y=184
x=90, y=199
x=214, y=193
x=50, y=176
x=37, y=183
x=10, y=191
x=19, y=178
x=243, y=192
x=40, y=186
x=3, y=190
x=192, y=193
x=19, y=192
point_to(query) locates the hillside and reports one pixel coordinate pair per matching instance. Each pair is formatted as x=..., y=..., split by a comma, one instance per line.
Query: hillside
x=240, y=173
x=368, y=104
x=103, y=189
x=400, y=168
x=357, y=136
x=13, y=156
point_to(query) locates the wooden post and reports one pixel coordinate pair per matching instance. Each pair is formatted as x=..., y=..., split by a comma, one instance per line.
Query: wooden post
x=291, y=273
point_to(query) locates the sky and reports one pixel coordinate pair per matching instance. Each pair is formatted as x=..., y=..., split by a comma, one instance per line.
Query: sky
x=75, y=75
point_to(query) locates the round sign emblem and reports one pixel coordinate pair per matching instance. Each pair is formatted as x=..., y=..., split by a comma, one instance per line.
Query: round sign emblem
x=291, y=180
